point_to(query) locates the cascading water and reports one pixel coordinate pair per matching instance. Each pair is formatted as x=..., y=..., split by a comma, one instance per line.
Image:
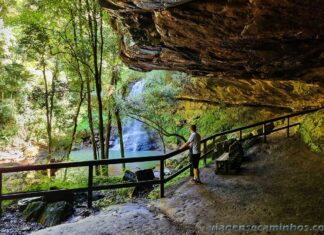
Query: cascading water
x=136, y=137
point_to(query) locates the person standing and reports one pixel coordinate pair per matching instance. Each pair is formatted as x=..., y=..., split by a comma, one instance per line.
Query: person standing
x=194, y=144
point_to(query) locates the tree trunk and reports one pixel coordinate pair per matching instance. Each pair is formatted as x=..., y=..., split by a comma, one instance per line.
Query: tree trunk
x=97, y=51
x=75, y=125
x=108, y=134
x=48, y=118
x=90, y=119
x=163, y=143
x=121, y=140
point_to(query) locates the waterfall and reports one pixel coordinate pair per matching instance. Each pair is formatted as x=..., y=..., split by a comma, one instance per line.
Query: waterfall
x=136, y=137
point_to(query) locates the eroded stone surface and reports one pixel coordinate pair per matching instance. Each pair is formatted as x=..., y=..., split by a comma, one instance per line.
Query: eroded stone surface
x=288, y=95
x=263, y=39
x=124, y=219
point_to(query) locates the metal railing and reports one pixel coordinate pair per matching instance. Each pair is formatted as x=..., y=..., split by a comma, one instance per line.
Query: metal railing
x=207, y=150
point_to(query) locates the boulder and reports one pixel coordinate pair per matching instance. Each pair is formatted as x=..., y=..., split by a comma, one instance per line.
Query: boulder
x=55, y=213
x=141, y=175
x=23, y=203
x=31, y=151
x=129, y=176
x=59, y=196
x=33, y=210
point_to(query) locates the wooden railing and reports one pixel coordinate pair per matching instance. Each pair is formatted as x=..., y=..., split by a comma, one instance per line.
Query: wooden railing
x=207, y=150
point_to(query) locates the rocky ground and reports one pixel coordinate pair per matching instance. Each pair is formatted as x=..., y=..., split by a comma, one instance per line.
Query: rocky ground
x=280, y=183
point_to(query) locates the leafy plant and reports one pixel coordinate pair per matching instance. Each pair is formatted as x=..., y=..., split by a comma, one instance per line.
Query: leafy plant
x=312, y=131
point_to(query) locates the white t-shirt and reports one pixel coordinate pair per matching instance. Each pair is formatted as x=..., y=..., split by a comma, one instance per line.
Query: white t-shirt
x=194, y=141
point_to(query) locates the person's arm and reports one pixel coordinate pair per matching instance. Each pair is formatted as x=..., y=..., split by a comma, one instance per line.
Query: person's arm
x=184, y=146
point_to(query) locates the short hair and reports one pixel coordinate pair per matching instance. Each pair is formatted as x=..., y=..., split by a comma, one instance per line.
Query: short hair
x=193, y=127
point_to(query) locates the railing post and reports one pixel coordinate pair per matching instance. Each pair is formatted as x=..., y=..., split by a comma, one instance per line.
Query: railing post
x=264, y=133
x=288, y=121
x=191, y=168
x=240, y=135
x=90, y=184
x=162, y=178
x=0, y=193
x=205, y=151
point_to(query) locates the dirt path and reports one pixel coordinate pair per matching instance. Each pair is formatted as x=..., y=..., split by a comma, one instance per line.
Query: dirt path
x=280, y=183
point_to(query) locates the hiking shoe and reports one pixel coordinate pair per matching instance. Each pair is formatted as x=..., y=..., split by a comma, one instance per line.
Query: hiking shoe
x=193, y=181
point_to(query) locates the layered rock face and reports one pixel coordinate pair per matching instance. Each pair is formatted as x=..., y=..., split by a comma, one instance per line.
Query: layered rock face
x=267, y=39
x=286, y=95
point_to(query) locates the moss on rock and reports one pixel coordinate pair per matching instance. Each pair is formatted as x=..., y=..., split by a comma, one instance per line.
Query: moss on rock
x=312, y=131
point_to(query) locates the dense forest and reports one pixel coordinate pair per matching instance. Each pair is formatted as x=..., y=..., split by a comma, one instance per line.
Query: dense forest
x=62, y=79
x=62, y=82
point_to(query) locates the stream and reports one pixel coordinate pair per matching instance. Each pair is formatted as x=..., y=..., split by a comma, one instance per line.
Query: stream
x=86, y=154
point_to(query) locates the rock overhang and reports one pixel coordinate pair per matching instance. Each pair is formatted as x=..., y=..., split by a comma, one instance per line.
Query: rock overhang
x=260, y=39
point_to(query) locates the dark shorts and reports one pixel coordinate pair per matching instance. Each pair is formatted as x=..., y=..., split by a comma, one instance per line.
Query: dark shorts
x=194, y=159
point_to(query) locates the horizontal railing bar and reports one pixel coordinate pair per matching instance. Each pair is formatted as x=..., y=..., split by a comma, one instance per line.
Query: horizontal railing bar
x=285, y=127
x=260, y=123
x=11, y=196
x=208, y=152
x=78, y=164
x=251, y=137
x=177, y=173
x=125, y=185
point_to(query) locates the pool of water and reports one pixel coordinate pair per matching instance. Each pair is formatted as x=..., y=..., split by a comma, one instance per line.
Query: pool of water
x=86, y=154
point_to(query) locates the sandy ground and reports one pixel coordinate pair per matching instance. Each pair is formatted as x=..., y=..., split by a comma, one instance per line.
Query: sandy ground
x=280, y=183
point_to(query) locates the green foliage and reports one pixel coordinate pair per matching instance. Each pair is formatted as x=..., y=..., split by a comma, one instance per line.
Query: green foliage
x=8, y=124
x=217, y=119
x=312, y=131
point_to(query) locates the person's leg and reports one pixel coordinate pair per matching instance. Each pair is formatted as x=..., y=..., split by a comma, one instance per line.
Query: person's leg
x=196, y=173
x=196, y=167
x=192, y=163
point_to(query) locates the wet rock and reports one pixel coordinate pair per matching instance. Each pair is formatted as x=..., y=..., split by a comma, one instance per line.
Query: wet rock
x=23, y=203
x=146, y=174
x=13, y=223
x=97, y=196
x=129, y=176
x=130, y=218
x=33, y=210
x=59, y=196
x=55, y=213
x=84, y=213
x=11, y=155
x=31, y=151
x=143, y=175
